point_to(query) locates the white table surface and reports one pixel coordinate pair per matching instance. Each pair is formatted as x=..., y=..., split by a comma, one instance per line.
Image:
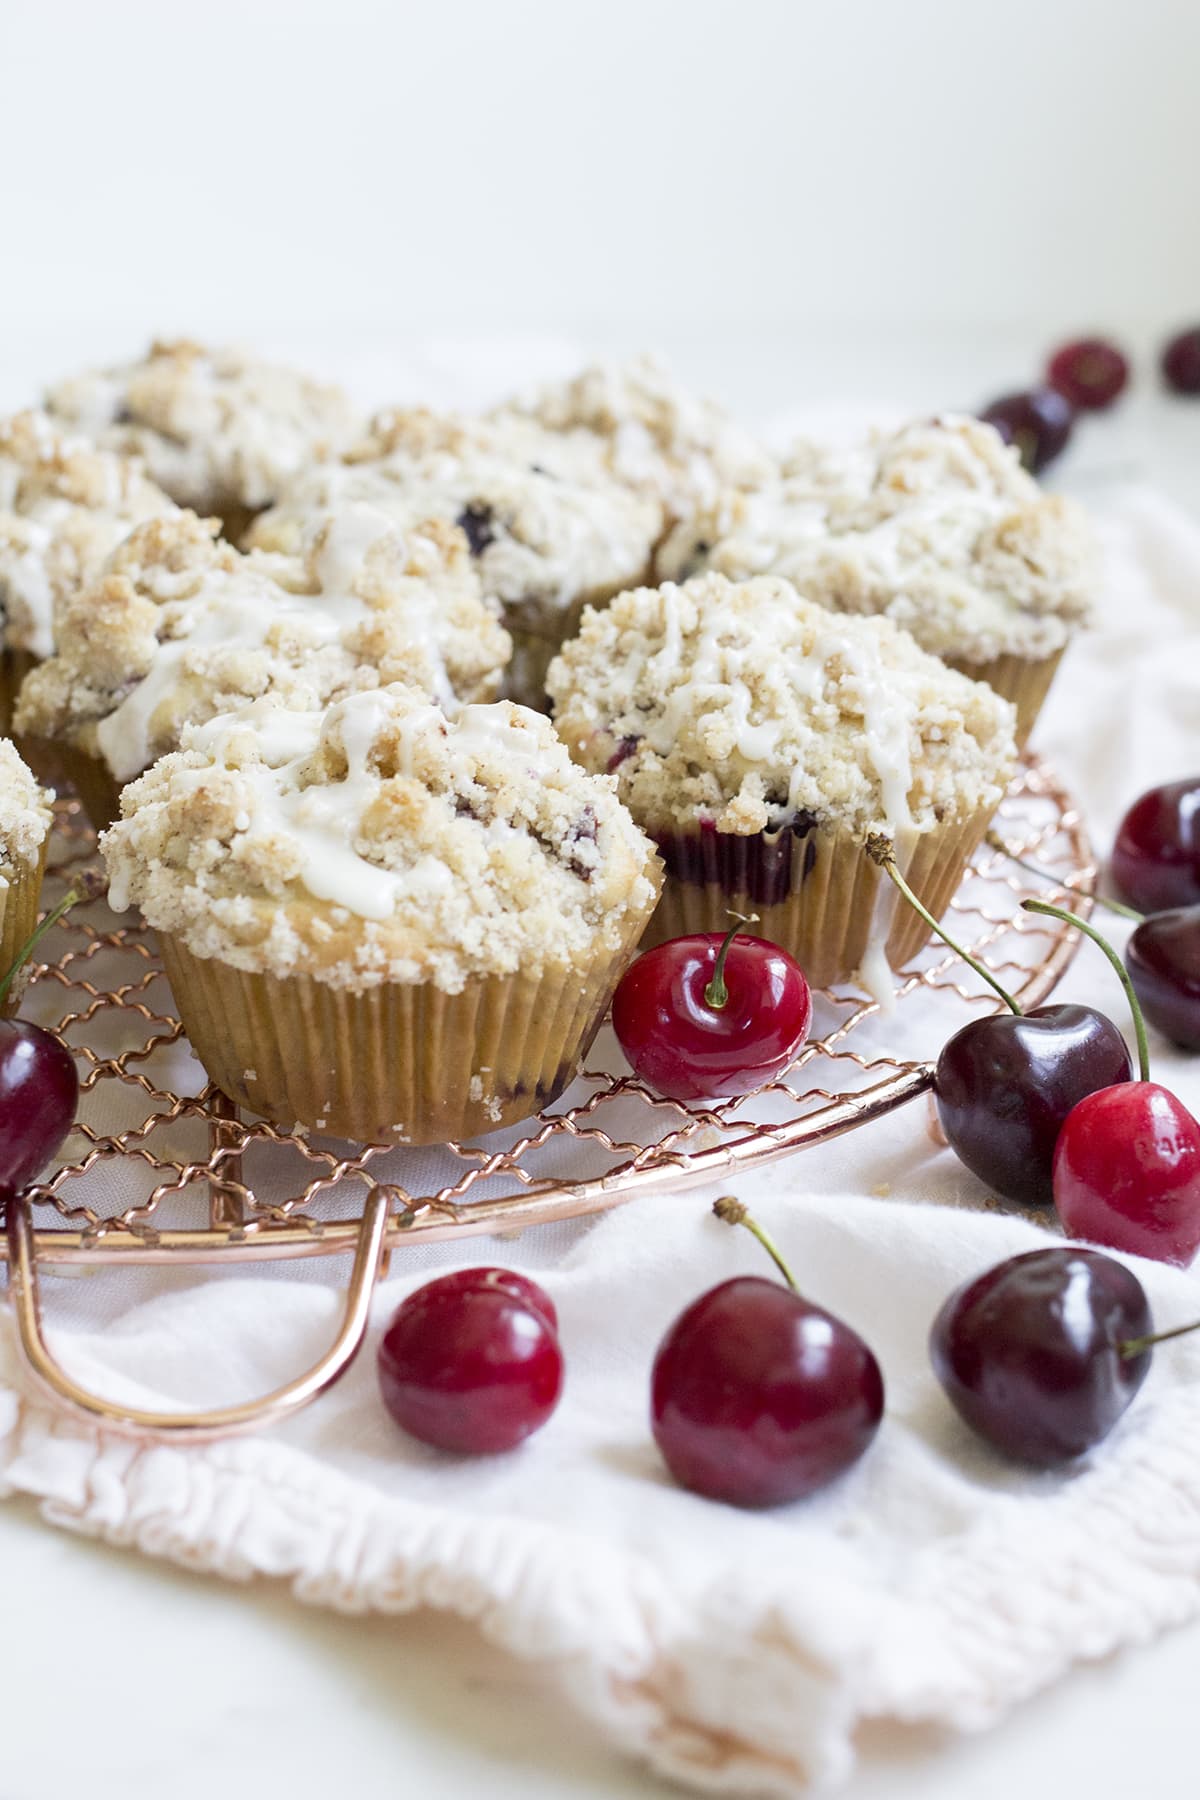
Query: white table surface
x=122, y=1677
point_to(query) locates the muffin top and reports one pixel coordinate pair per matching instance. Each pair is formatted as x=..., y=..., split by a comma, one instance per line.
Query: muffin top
x=380, y=841
x=543, y=519
x=24, y=816
x=744, y=705
x=182, y=626
x=936, y=526
x=64, y=505
x=219, y=430
x=657, y=437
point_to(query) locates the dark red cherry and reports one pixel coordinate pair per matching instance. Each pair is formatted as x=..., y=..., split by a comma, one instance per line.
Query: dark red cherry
x=39, y=1092
x=1004, y=1086
x=1043, y=1354
x=1156, y=856
x=705, y=1016
x=1181, y=362
x=1163, y=959
x=1127, y=1172
x=471, y=1362
x=759, y=1397
x=1038, y=422
x=1088, y=373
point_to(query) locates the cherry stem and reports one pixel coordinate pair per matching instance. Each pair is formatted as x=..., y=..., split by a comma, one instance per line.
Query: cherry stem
x=996, y=842
x=879, y=848
x=36, y=935
x=734, y=1212
x=1089, y=931
x=1135, y=1346
x=716, y=993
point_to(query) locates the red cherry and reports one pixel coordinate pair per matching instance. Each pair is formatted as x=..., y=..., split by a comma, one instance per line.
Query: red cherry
x=1038, y=422
x=1088, y=373
x=1127, y=1172
x=706, y=1016
x=1181, y=362
x=1163, y=959
x=471, y=1362
x=1156, y=855
x=39, y=1092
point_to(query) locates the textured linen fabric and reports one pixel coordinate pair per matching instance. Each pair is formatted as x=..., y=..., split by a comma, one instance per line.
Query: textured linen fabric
x=736, y=1652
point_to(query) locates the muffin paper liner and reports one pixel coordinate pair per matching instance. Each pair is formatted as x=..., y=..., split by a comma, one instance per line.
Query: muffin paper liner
x=1022, y=679
x=90, y=776
x=397, y=1063
x=815, y=891
x=19, y=907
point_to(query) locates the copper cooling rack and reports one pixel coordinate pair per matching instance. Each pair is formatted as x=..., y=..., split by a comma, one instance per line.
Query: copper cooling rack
x=162, y=1168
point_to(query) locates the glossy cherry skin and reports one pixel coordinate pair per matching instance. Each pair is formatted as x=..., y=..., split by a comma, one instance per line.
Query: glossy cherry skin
x=688, y=1050
x=758, y=1397
x=1127, y=1172
x=1004, y=1085
x=471, y=1362
x=1038, y=422
x=1030, y=1353
x=1163, y=959
x=1181, y=362
x=1089, y=373
x=1156, y=856
x=39, y=1092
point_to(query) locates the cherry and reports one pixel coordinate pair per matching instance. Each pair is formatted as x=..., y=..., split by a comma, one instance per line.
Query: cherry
x=1127, y=1172
x=1038, y=422
x=758, y=1396
x=1163, y=959
x=471, y=1362
x=39, y=1083
x=705, y=1015
x=1181, y=362
x=1127, y=1161
x=1004, y=1086
x=1089, y=373
x=1156, y=856
x=1042, y=1354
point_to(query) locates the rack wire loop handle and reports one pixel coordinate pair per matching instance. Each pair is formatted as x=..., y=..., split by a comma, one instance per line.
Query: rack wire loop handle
x=250, y=1415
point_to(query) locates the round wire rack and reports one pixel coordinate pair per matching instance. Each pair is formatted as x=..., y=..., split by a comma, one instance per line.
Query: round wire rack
x=162, y=1167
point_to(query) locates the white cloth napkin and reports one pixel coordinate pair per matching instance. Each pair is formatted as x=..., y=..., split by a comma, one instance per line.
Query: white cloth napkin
x=738, y=1653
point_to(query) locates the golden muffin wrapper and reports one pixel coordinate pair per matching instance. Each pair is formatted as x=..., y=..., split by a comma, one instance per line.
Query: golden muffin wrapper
x=20, y=903
x=833, y=905
x=1024, y=680
x=398, y=1063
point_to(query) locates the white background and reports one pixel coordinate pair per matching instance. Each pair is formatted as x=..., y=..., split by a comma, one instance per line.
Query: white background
x=866, y=200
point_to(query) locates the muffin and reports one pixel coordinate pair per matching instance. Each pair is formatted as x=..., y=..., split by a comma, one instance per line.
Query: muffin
x=381, y=922
x=182, y=626
x=936, y=527
x=25, y=820
x=759, y=738
x=219, y=430
x=656, y=437
x=64, y=505
x=548, y=527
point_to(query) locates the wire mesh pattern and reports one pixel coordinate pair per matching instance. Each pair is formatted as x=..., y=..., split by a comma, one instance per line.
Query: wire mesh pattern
x=162, y=1166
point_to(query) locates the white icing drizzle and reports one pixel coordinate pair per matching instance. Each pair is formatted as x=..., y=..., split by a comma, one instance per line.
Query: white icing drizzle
x=323, y=820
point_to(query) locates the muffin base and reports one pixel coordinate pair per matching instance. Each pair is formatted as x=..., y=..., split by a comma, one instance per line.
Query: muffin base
x=393, y=1064
x=19, y=908
x=815, y=892
x=1024, y=681
x=539, y=629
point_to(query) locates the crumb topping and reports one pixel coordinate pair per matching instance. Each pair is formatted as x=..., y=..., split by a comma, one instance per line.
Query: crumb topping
x=64, y=505
x=24, y=815
x=543, y=520
x=182, y=626
x=936, y=526
x=746, y=705
x=657, y=437
x=380, y=841
x=217, y=428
